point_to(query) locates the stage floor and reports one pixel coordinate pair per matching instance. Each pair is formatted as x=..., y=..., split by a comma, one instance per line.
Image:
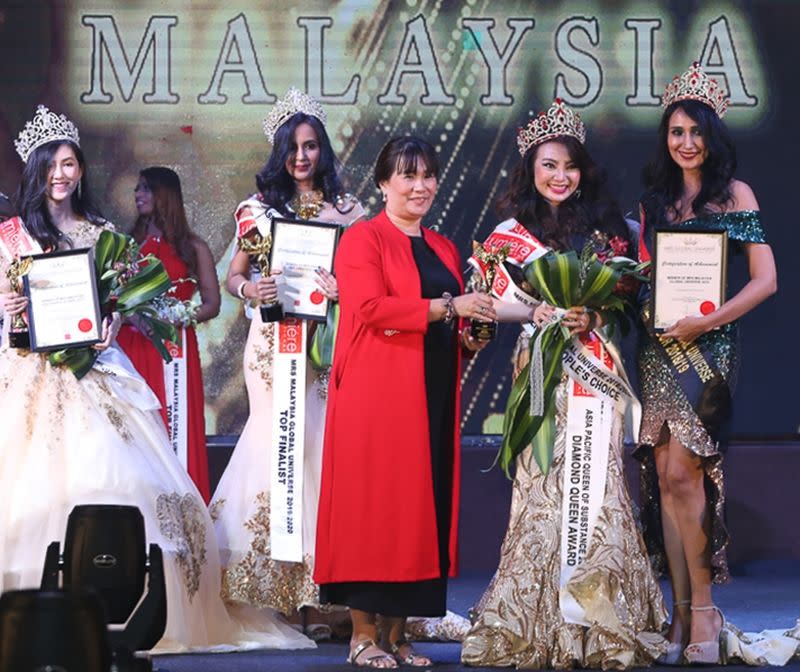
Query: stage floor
x=762, y=595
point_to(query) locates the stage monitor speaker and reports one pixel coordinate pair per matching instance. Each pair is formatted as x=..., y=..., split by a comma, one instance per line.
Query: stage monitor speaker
x=62, y=631
x=104, y=549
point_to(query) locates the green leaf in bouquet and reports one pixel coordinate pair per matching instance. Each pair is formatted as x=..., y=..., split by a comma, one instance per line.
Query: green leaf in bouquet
x=564, y=277
x=324, y=341
x=151, y=281
x=78, y=360
x=537, y=273
x=599, y=284
x=158, y=331
x=543, y=441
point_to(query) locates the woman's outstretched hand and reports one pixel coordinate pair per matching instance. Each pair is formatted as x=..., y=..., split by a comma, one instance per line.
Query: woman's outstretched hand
x=476, y=306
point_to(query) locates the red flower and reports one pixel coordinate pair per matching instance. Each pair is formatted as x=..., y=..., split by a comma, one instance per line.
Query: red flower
x=619, y=246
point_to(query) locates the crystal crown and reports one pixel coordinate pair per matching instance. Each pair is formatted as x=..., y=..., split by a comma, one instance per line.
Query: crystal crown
x=43, y=128
x=293, y=102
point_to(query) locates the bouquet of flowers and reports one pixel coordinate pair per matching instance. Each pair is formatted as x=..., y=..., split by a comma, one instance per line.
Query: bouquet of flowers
x=171, y=309
x=599, y=278
x=127, y=283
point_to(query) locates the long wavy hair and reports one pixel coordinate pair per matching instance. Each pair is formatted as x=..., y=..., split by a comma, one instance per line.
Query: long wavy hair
x=274, y=182
x=588, y=209
x=663, y=178
x=169, y=214
x=30, y=200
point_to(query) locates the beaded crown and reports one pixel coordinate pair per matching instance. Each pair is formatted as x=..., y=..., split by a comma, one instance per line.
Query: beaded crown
x=695, y=84
x=560, y=119
x=293, y=102
x=45, y=127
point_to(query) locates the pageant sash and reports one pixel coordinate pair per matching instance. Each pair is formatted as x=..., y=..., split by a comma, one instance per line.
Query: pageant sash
x=177, y=403
x=288, y=440
x=700, y=379
x=123, y=379
x=589, y=423
x=15, y=241
x=524, y=248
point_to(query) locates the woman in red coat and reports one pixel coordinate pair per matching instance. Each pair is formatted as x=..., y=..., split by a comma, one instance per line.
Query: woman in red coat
x=388, y=514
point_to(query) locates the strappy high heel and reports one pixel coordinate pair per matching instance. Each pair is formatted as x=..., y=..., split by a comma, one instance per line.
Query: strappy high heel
x=711, y=652
x=674, y=653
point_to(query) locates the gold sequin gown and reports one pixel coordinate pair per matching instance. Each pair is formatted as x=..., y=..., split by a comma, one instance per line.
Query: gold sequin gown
x=101, y=440
x=240, y=504
x=518, y=621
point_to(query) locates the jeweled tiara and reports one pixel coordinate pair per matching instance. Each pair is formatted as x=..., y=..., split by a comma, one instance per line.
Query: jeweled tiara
x=45, y=127
x=559, y=120
x=293, y=102
x=695, y=84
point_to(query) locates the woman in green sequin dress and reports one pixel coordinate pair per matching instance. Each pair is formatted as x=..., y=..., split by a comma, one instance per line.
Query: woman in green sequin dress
x=690, y=184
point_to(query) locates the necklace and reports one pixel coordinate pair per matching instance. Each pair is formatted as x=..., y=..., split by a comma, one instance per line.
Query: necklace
x=307, y=204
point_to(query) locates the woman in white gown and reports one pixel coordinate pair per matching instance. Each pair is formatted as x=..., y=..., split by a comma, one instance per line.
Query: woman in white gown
x=299, y=181
x=100, y=439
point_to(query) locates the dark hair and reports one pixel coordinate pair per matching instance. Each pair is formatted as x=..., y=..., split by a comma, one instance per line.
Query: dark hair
x=589, y=208
x=274, y=182
x=169, y=214
x=402, y=155
x=663, y=178
x=30, y=200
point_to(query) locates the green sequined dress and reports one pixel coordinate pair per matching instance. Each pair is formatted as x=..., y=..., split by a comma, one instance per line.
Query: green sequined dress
x=666, y=410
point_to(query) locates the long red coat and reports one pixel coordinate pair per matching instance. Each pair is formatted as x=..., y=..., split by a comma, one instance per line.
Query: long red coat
x=377, y=518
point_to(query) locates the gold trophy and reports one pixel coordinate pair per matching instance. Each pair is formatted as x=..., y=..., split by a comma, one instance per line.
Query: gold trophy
x=257, y=247
x=18, y=334
x=492, y=258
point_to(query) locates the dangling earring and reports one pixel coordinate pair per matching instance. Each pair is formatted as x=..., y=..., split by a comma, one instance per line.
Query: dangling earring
x=577, y=194
x=383, y=196
x=79, y=191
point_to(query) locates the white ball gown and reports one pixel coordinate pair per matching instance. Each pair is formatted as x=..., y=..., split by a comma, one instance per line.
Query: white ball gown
x=100, y=440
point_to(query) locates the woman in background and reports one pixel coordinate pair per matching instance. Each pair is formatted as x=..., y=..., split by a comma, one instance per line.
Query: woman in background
x=163, y=231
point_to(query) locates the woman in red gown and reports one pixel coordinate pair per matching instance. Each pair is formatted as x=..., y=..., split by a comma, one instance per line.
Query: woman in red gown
x=162, y=230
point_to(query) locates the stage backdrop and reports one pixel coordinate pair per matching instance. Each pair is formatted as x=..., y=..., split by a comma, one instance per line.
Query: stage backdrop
x=186, y=84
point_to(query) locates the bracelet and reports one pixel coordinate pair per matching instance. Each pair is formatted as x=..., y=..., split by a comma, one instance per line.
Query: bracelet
x=240, y=290
x=450, y=309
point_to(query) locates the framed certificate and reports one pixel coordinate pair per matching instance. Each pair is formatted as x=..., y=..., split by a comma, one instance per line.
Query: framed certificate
x=63, y=305
x=299, y=248
x=689, y=274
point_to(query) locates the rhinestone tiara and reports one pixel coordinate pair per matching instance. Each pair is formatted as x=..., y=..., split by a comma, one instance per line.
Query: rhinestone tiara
x=694, y=84
x=45, y=127
x=293, y=102
x=559, y=120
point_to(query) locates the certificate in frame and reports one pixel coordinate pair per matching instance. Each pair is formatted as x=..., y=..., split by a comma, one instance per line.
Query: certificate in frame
x=689, y=276
x=299, y=247
x=63, y=303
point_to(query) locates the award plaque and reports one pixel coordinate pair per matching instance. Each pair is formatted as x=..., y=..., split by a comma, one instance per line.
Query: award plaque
x=299, y=248
x=689, y=274
x=63, y=304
